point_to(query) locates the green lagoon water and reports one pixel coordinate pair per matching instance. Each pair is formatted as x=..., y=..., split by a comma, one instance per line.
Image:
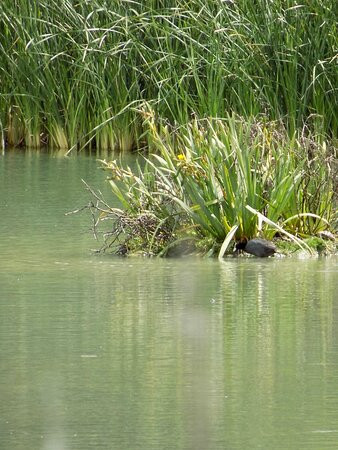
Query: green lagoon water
x=99, y=352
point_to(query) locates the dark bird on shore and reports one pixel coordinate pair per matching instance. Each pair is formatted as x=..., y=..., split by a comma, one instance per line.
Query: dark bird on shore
x=257, y=247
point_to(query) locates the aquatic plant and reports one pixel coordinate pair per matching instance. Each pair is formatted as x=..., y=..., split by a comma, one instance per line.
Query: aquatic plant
x=214, y=180
x=74, y=74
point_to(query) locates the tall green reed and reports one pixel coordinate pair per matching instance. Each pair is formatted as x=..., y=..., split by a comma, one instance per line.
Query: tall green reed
x=74, y=72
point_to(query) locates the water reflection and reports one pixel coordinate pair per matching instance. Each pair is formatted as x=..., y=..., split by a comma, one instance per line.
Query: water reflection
x=112, y=353
x=99, y=352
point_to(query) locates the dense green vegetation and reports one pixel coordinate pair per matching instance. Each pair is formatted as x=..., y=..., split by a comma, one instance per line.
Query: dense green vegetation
x=75, y=71
x=230, y=179
x=236, y=99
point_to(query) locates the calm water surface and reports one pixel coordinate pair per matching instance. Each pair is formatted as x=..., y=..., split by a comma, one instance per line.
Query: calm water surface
x=105, y=353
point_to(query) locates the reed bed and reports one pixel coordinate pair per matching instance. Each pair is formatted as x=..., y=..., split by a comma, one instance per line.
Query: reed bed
x=76, y=73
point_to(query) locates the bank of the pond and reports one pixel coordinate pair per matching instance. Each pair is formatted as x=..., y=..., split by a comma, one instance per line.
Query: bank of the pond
x=313, y=247
x=77, y=74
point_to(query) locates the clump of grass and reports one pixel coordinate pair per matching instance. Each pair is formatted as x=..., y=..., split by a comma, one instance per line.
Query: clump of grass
x=208, y=180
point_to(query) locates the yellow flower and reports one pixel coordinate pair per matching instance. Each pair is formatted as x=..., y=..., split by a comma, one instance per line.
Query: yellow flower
x=181, y=157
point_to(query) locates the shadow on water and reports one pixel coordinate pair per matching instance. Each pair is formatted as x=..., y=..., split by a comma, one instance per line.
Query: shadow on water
x=101, y=352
